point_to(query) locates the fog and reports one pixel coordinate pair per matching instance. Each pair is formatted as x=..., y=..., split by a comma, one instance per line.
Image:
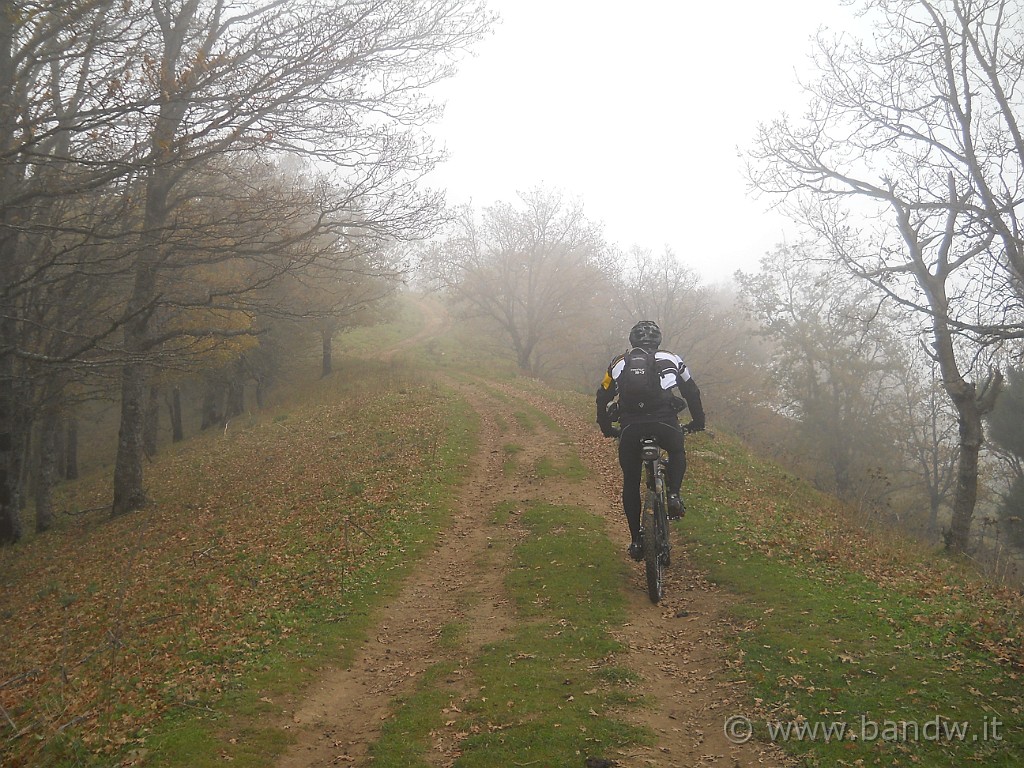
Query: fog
x=643, y=113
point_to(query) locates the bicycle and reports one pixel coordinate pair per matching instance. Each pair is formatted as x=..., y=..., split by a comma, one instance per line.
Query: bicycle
x=654, y=533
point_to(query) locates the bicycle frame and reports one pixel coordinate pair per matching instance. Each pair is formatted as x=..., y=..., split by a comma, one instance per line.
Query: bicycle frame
x=654, y=465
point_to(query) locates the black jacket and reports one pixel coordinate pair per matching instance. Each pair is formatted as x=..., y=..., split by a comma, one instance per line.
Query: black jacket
x=673, y=373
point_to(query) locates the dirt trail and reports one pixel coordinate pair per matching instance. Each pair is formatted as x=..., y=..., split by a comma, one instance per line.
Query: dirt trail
x=436, y=321
x=458, y=580
x=679, y=648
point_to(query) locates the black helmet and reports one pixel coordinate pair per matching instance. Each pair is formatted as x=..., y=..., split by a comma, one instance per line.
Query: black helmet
x=645, y=334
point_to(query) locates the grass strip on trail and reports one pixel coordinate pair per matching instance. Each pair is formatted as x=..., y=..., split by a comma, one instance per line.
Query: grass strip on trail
x=547, y=694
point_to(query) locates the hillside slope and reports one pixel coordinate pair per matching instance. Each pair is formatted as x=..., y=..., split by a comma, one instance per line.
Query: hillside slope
x=411, y=569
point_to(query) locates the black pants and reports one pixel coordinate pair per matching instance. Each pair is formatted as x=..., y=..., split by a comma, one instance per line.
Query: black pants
x=670, y=437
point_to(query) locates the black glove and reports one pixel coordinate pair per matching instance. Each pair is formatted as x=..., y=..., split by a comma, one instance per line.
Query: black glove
x=694, y=426
x=608, y=430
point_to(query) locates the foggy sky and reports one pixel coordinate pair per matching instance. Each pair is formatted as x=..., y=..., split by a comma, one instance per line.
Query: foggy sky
x=640, y=109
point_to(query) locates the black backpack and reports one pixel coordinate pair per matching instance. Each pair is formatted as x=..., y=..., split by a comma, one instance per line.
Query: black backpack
x=639, y=383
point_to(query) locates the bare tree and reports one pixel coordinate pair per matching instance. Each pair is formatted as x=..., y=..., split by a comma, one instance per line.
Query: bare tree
x=907, y=164
x=58, y=64
x=337, y=293
x=833, y=360
x=662, y=289
x=926, y=430
x=531, y=270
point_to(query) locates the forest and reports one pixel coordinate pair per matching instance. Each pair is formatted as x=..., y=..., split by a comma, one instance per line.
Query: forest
x=188, y=187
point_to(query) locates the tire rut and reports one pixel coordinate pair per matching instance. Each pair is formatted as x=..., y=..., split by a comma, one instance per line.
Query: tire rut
x=461, y=579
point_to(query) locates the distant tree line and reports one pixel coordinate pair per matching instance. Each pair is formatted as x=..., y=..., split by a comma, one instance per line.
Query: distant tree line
x=180, y=183
x=890, y=327
x=803, y=359
x=539, y=279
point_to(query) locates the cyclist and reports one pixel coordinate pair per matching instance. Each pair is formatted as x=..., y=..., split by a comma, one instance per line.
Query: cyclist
x=642, y=380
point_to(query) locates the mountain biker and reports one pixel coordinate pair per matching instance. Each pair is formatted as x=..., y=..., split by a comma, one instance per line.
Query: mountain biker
x=654, y=414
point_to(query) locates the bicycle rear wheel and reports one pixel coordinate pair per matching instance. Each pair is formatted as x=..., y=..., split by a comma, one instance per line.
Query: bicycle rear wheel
x=661, y=521
x=652, y=549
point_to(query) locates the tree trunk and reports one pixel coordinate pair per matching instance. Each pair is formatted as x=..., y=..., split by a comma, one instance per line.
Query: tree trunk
x=23, y=447
x=934, y=502
x=970, y=407
x=60, y=451
x=235, y=405
x=524, y=353
x=15, y=424
x=326, y=340
x=260, y=387
x=966, y=496
x=71, y=450
x=151, y=425
x=174, y=406
x=46, y=471
x=211, y=406
x=129, y=491
x=10, y=515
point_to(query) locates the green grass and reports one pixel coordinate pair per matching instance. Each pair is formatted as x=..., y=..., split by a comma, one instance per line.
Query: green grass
x=848, y=625
x=878, y=647
x=405, y=738
x=404, y=319
x=512, y=450
x=546, y=694
x=570, y=468
x=235, y=592
x=529, y=418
